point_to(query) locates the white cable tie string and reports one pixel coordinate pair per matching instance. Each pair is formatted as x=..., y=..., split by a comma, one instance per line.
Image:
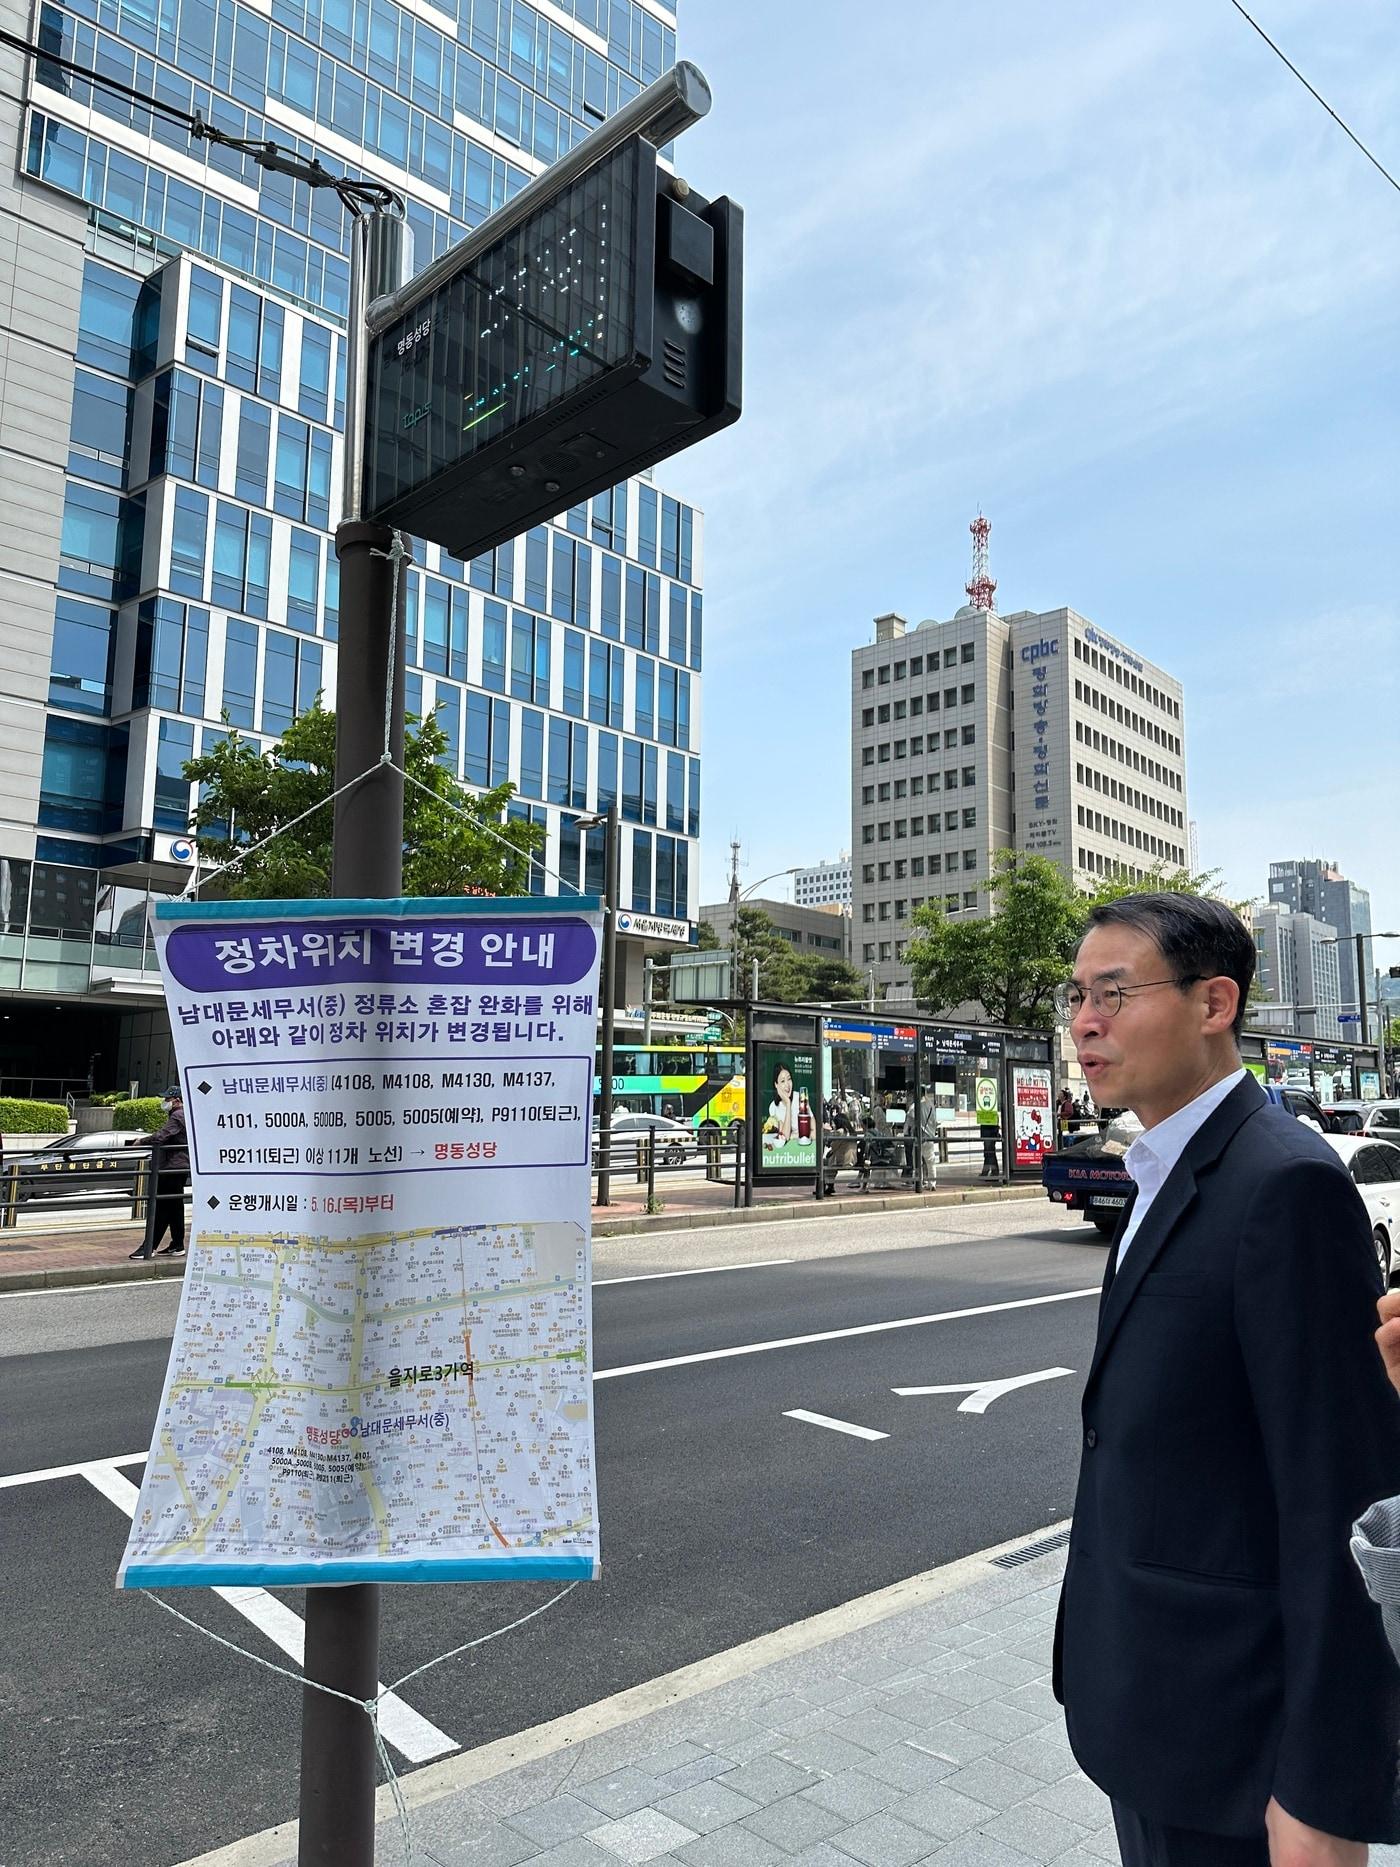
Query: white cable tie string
x=396, y=554
x=281, y=830
x=369, y=1706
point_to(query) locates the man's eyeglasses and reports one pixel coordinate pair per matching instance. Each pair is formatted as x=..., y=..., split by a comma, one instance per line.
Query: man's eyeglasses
x=1106, y=995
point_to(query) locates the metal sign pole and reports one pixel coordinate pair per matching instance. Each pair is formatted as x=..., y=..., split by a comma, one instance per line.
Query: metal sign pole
x=342, y=1623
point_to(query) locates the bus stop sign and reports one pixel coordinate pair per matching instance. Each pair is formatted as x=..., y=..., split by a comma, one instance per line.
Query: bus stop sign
x=598, y=336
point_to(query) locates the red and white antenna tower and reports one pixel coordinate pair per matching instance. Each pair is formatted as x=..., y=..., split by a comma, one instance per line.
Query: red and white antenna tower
x=983, y=587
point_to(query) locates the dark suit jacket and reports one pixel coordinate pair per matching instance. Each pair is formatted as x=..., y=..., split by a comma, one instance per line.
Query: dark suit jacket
x=1215, y=1644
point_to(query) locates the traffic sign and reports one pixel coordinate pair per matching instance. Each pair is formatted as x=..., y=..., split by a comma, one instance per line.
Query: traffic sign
x=1348, y=1017
x=598, y=335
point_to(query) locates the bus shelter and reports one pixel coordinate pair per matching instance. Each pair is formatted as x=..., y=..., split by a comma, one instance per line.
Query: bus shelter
x=1332, y=1072
x=845, y=1101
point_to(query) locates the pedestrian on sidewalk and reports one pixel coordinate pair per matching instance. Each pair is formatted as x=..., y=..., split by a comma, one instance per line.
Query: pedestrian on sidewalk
x=1225, y=1679
x=169, y=1170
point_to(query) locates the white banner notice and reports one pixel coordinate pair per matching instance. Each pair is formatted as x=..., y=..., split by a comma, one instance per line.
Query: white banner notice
x=382, y=1368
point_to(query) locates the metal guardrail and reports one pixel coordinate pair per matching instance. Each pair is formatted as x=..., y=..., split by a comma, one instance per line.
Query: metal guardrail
x=33, y=1183
x=672, y=1155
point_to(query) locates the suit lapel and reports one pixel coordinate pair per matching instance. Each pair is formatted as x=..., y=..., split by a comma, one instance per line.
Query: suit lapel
x=1166, y=1212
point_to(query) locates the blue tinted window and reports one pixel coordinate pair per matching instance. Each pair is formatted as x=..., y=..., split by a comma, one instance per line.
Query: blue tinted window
x=649, y=768
x=90, y=545
x=670, y=536
x=646, y=697
x=683, y=711
x=80, y=668
x=241, y=365
x=413, y=696
x=573, y=673
x=303, y=581
x=289, y=487
x=561, y=602
x=611, y=618
x=683, y=881
x=665, y=875
x=308, y=674
x=259, y=578
x=666, y=730
x=652, y=642
x=332, y=614
x=536, y=568
x=675, y=642
x=106, y=317
x=448, y=713
x=204, y=319
x=696, y=627
x=174, y=748
x=634, y=627
x=558, y=761
x=211, y=435
x=607, y=770
x=478, y=759
x=687, y=543
x=188, y=538
x=500, y=741
x=279, y=682
x=254, y=445
x=646, y=525
x=314, y=396
x=675, y=792
x=230, y=556
x=318, y=490
x=436, y=617
x=641, y=872
x=493, y=648
x=270, y=353
x=632, y=780
x=240, y=671
x=693, y=824
x=98, y=433
x=531, y=753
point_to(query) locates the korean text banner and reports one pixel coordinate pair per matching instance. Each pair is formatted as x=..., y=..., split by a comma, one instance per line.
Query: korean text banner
x=382, y=1367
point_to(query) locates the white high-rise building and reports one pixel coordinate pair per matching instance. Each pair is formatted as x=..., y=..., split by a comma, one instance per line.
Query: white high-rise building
x=826, y=885
x=1299, y=965
x=1034, y=731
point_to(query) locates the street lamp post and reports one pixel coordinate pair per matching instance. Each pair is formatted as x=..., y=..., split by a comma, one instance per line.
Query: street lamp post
x=608, y=821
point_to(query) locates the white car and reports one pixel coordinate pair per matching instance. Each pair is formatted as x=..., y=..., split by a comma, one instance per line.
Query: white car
x=1375, y=1168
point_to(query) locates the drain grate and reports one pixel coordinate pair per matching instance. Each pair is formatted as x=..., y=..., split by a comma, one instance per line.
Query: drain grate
x=1015, y=1557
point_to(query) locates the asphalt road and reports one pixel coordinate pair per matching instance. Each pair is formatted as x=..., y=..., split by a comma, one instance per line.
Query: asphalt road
x=136, y=1740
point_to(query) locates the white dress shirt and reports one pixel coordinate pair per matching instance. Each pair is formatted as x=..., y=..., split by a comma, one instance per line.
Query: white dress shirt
x=1156, y=1151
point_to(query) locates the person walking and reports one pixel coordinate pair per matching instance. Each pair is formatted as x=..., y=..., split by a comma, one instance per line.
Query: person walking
x=169, y=1170
x=1225, y=1679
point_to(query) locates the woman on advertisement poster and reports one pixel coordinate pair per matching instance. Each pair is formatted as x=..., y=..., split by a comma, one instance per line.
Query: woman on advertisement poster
x=782, y=1110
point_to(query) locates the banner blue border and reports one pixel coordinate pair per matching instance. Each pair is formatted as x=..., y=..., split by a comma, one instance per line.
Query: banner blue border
x=401, y=906
x=307, y=1574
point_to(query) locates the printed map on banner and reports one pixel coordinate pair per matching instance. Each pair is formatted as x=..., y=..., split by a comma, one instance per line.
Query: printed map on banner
x=382, y=1367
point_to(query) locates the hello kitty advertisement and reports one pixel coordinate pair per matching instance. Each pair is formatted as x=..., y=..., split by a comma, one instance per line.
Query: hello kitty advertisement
x=1035, y=1134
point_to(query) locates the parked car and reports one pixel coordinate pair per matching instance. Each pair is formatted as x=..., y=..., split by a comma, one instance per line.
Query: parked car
x=1375, y=1167
x=1377, y=1118
x=631, y=1128
x=101, y=1158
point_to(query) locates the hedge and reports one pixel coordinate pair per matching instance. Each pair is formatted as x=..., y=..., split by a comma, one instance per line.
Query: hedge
x=145, y=1112
x=18, y=1116
x=108, y=1099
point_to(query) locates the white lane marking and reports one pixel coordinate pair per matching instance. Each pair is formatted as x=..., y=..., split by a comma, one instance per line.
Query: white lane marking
x=709, y=1270
x=837, y=1426
x=68, y=1471
x=981, y=1394
x=836, y=1335
x=407, y=1730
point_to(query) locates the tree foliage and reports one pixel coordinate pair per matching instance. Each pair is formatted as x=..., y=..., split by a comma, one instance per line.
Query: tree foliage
x=456, y=841
x=1011, y=960
x=786, y=974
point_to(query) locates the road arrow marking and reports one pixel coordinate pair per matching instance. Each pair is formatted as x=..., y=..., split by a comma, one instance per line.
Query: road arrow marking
x=836, y=1426
x=981, y=1394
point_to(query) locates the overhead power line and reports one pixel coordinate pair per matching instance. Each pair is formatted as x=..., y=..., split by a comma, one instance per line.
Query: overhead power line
x=356, y=192
x=1373, y=160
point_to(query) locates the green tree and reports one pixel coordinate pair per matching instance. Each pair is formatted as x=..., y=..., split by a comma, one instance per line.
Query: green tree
x=1011, y=960
x=455, y=841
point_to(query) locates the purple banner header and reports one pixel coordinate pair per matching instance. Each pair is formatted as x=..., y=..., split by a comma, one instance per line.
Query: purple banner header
x=210, y=957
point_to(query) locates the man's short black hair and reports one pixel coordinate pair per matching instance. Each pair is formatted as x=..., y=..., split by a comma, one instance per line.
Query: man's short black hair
x=1198, y=938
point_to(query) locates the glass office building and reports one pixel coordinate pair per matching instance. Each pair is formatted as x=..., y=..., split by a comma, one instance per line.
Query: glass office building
x=170, y=461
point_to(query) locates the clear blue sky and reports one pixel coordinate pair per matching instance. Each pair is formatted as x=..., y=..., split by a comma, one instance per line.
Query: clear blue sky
x=1110, y=273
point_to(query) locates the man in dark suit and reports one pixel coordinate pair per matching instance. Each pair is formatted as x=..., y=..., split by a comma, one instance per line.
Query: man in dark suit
x=1224, y=1677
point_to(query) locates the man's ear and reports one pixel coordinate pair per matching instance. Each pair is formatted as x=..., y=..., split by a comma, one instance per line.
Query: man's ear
x=1222, y=1004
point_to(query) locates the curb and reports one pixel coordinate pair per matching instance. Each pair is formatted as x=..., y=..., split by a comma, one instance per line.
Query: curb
x=809, y=1209
x=69, y=1276
x=452, y=1775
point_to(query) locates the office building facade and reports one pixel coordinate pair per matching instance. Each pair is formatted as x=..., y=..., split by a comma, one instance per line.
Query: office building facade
x=171, y=412
x=828, y=884
x=823, y=932
x=1034, y=731
x=1316, y=887
x=1299, y=974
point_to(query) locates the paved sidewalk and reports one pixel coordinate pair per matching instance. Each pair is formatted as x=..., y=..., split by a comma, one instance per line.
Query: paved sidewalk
x=74, y=1249
x=916, y=1726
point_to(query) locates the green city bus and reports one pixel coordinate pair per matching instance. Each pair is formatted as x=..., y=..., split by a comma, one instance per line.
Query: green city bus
x=701, y=1084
